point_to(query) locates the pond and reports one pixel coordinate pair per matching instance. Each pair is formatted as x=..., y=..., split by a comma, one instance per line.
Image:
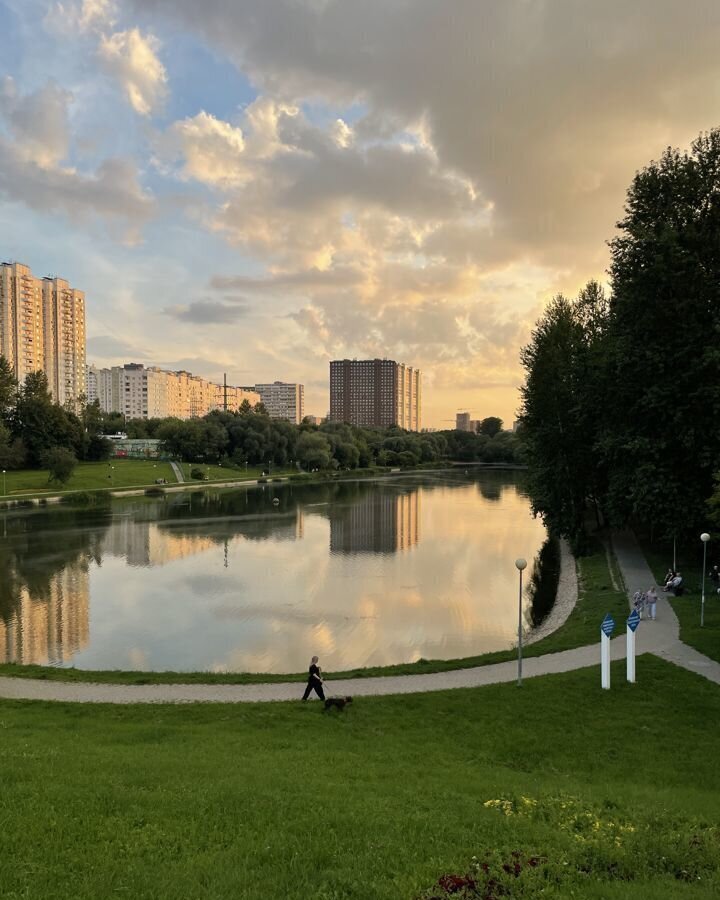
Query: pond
x=258, y=579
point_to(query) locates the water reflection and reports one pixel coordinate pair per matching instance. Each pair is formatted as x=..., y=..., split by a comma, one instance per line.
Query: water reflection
x=377, y=522
x=45, y=584
x=361, y=573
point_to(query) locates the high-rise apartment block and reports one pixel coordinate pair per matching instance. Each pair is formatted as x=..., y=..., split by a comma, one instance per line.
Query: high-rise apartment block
x=377, y=392
x=42, y=328
x=140, y=392
x=283, y=401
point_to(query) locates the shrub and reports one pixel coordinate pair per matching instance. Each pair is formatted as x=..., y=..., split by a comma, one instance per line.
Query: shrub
x=155, y=492
x=262, y=480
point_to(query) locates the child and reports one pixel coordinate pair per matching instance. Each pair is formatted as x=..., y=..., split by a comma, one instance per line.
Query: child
x=639, y=603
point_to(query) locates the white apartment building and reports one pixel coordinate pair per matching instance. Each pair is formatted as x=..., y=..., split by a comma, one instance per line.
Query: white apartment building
x=42, y=328
x=283, y=400
x=140, y=392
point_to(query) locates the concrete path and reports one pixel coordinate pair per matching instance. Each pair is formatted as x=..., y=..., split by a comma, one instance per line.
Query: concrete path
x=659, y=637
x=178, y=472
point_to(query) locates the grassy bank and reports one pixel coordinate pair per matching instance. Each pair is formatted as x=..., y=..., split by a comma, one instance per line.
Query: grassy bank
x=118, y=474
x=596, y=597
x=687, y=607
x=259, y=802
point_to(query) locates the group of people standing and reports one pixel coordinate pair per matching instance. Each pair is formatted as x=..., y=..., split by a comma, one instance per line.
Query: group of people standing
x=645, y=602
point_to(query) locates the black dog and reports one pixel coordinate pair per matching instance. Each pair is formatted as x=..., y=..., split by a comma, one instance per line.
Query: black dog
x=337, y=702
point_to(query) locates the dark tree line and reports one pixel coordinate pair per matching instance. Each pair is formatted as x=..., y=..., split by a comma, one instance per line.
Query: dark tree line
x=251, y=436
x=621, y=402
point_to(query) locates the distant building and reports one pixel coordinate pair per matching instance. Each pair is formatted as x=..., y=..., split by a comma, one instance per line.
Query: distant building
x=283, y=401
x=378, y=392
x=516, y=425
x=462, y=421
x=313, y=420
x=140, y=392
x=42, y=328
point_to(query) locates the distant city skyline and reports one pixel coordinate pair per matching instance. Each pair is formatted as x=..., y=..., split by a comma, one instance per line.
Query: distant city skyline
x=231, y=204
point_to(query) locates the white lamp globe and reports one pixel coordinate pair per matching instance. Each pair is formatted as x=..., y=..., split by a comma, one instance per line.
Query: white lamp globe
x=521, y=563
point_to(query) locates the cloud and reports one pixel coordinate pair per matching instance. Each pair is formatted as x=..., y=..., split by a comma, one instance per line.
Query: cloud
x=207, y=312
x=106, y=346
x=300, y=281
x=211, y=149
x=68, y=19
x=38, y=121
x=131, y=58
x=547, y=109
x=32, y=149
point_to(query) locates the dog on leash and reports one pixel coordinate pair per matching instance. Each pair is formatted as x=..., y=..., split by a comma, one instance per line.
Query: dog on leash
x=337, y=702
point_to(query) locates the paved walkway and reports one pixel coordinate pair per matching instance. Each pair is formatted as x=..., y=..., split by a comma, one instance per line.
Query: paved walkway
x=659, y=637
x=178, y=472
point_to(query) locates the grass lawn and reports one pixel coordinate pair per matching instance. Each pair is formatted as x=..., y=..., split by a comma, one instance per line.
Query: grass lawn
x=117, y=473
x=687, y=607
x=615, y=794
x=597, y=597
x=120, y=473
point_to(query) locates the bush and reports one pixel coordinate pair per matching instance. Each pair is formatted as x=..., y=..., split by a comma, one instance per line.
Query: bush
x=87, y=498
x=155, y=492
x=60, y=463
x=198, y=474
x=276, y=479
x=262, y=480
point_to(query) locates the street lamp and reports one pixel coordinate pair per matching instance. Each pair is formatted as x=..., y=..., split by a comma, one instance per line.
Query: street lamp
x=4, y=485
x=520, y=564
x=704, y=537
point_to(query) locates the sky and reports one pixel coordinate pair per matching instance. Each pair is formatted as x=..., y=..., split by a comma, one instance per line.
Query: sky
x=259, y=187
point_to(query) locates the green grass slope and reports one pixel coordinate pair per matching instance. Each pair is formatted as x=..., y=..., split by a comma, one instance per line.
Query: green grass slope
x=254, y=802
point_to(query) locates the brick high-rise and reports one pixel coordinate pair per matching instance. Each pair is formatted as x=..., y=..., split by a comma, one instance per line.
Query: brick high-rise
x=377, y=392
x=42, y=328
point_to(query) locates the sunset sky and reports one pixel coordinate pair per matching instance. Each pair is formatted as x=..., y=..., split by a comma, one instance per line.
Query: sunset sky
x=260, y=186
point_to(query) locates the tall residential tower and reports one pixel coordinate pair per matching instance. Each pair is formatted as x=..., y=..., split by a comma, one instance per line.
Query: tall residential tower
x=42, y=328
x=378, y=392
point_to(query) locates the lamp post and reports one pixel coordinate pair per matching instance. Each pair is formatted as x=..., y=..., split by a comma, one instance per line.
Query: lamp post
x=520, y=564
x=4, y=484
x=704, y=537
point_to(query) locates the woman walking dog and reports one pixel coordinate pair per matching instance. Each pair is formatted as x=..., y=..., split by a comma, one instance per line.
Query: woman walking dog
x=314, y=682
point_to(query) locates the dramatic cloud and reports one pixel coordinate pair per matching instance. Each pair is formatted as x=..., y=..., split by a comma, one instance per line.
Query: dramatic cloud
x=548, y=108
x=131, y=57
x=207, y=312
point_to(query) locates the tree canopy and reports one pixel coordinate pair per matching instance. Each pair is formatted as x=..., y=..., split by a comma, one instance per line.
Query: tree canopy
x=622, y=394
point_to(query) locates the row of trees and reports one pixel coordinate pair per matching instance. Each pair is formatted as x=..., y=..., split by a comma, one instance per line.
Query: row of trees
x=250, y=436
x=622, y=398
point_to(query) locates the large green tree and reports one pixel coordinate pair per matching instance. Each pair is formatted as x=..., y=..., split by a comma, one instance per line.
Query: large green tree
x=558, y=442
x=661, y=441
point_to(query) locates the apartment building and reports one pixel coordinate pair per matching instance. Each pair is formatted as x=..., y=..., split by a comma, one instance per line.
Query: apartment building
x=283, y=400
x=375, y=392
x=42, y=328
x=147, y=392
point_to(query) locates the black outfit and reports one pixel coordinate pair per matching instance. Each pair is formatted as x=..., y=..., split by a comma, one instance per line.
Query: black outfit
x=314, y=683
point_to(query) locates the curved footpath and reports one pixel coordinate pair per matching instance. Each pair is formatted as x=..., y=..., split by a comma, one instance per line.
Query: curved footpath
x=660, y=638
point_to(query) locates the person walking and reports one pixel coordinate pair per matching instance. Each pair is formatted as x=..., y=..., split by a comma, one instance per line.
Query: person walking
x=314, y=682
x=651, y=603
